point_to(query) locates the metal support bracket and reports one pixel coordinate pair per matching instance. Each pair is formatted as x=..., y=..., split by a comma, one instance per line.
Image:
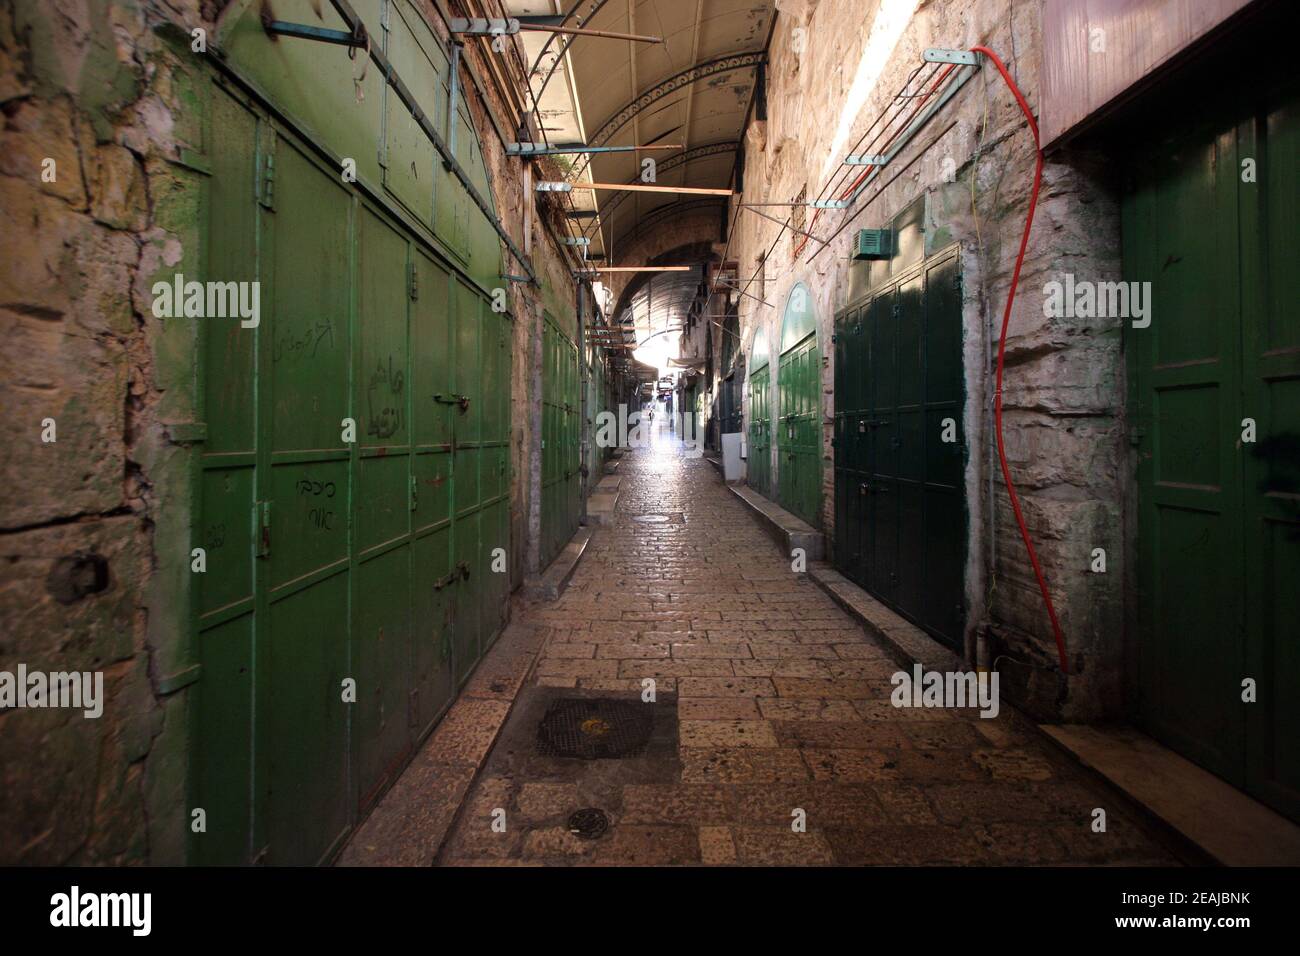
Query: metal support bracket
x=939, y=55
x=554, y=187
x=829, y=204
x=878, y=159
x=484, y=27
x=305, y=31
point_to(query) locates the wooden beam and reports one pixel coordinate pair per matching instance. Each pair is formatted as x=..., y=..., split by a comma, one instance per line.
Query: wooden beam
x=642, y=188
x=638, y=269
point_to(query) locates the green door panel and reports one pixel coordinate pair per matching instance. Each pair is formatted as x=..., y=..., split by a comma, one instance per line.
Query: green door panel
x=759, y=462
x=798, y=432
x=383, y=653
x=332, y=561
x=305, y=737
x=1187, y=382
x=431, y=627
x=1218, y=525
x=222, y=781
x=561, y=437
x=900, y=501
x=1271, y=378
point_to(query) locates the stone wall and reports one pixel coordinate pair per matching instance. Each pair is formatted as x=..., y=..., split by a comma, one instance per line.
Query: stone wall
x=90, y=556
x=834, y=67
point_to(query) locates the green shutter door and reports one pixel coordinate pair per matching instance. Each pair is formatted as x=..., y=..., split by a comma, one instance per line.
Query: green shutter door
x=327, y=560
x=561, y=437
x=900, y=494
x=759, y=462
x=1218, y=525
x=800, y=431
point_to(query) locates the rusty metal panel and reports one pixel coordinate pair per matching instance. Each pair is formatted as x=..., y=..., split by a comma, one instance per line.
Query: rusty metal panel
x=1096, y=50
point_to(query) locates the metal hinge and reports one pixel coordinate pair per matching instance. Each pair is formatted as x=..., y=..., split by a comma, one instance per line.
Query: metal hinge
x=413, y=283
x=266, y=183
x=262, y=520
x=414, y=496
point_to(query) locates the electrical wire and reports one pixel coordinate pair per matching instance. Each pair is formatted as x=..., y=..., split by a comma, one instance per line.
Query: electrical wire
x=1002, y=347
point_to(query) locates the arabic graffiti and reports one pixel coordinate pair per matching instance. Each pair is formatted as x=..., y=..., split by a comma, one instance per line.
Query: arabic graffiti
x=384, y=400
x=302, y=343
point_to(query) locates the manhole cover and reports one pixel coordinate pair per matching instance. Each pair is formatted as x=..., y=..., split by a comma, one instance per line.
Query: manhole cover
x=675, y=517
x=589, y=823
x=651, y=519
x=594, y=728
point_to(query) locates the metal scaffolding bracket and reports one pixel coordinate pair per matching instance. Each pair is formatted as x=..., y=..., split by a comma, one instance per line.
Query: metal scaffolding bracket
x=554, y=187
x=960, y=57
x=305, y=31
x=349, y=16
x=484, y=27
x=828, y=204
x=581, y=241
x=508, y=27
x=567, y=149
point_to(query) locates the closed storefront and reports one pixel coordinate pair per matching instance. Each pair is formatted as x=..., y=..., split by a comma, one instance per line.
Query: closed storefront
x=900, y=509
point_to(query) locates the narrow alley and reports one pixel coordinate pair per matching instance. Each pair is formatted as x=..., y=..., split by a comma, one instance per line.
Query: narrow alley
x=443, y=435
x=770, y=702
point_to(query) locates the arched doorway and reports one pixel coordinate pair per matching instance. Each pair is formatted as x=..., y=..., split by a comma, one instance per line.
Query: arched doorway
x=759, y=475
x=799, y=385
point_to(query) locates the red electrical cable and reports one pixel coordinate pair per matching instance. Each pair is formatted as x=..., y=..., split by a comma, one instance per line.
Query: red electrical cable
x=1002, y=346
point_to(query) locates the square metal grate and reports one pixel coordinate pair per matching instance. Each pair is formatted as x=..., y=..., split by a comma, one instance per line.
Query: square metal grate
x=595, y=728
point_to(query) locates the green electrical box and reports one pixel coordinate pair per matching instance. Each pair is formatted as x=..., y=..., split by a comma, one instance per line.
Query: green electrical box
x=873, y=244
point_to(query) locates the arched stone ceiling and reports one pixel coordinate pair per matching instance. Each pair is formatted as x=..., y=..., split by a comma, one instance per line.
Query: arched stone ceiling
x=694, y=89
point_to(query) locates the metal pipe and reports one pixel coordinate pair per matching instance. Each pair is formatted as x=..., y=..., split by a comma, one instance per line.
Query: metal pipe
x=567, y=149
x=599, y=269
x=452, y=92
x=640, y=188
x=305, y=31
x=579, y=31
x=780, y=223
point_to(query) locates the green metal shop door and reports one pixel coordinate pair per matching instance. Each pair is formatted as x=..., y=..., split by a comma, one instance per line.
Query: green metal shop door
x=1219, y=514
x=759, y=462
x=799, y=441
x=332, y=560
x=900, y=501
x=561, y=437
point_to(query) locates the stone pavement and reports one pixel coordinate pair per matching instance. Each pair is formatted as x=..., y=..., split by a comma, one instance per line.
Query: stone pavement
x=776, y=703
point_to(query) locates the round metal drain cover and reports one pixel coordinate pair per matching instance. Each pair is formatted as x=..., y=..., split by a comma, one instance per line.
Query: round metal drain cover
x=592, y=728
x=650, y=519
x=589, y=823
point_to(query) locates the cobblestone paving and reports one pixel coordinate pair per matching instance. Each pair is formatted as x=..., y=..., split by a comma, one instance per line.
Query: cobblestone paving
x=782, y=704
